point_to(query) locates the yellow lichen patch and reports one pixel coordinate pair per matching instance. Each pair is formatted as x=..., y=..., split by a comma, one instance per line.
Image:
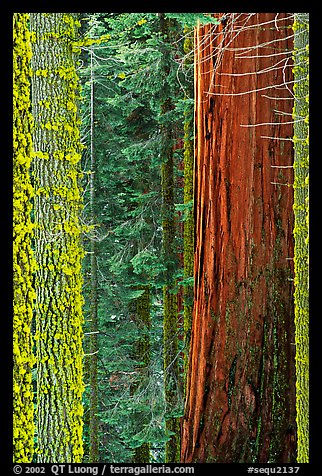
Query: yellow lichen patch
x=23, y=259
x=85, y=42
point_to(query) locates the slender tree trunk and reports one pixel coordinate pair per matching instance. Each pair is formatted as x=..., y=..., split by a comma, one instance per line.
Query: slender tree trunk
x=58, y=250
x=170, y=325
x=240, y=403
x=94, y=440
x=23, y=258
x=301, y=230
x=142, y=354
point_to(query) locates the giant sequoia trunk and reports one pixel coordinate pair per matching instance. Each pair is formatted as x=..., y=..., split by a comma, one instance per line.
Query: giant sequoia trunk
x=240, y=390
x=58, y=251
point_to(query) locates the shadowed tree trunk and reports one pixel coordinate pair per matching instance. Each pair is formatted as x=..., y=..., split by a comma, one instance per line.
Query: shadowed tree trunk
x=240, y=390
x=142, y=354
x=170, y=321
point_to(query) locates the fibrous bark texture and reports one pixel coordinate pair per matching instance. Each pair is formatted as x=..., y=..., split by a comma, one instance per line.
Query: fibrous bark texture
x=240, y=403
x=58, y=250
x=301, y=229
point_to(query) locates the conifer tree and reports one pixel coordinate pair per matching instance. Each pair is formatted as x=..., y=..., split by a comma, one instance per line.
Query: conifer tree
x=23, y=258
x=58, y=249
x=131, y=127
x=123, y=237
x=301, y=230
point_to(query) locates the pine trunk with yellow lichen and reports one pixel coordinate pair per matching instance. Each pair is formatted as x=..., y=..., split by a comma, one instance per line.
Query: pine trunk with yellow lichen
x=23, y=259
x=301, y=230
x=58, y=249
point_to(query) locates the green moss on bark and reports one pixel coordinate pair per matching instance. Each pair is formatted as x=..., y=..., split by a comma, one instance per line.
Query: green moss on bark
x=142, y=354
x=170, y=322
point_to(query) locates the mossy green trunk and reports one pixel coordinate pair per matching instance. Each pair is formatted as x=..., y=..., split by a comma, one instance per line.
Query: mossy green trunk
x=23, y=259
x=171, y=374
x=170, y=309
x=301, y=230
x=58, y=250
x=188, y=233
x=142, y=354
x=142, y=454
x=170, y=323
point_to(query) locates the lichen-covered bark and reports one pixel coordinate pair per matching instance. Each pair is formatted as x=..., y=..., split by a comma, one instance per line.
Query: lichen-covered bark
x=58, y=249
x=23, y=258
x=301, y=230
x=188, y=232
x=240, y=403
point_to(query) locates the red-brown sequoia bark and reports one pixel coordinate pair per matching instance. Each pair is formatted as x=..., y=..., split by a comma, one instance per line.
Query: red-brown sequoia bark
x=241, y=387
